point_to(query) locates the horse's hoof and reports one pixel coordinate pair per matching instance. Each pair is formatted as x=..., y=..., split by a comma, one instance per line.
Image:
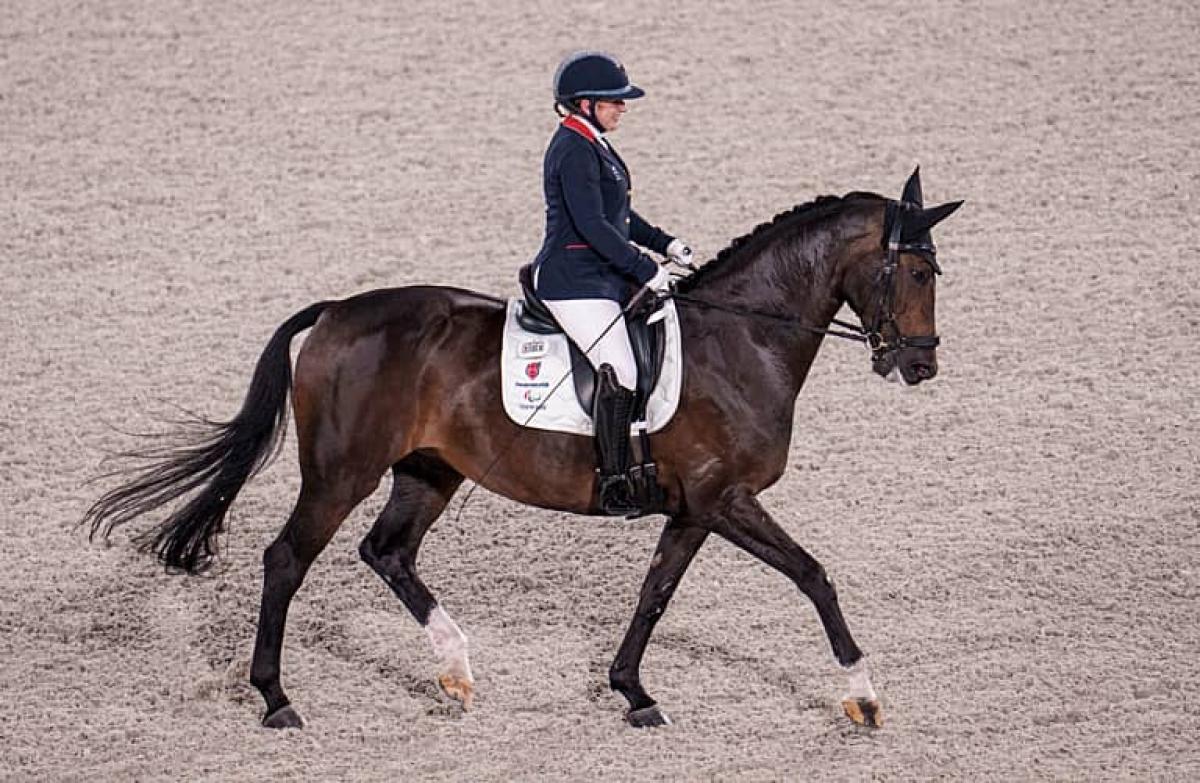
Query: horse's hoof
x=283, y=718
x=459, y=688
x=647, y=717
x=864, y=712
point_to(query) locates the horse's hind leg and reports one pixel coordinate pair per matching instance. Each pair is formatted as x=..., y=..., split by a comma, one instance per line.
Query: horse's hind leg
x=676, y=548
x=421, y=487
x=315, y=519
x=745, y=523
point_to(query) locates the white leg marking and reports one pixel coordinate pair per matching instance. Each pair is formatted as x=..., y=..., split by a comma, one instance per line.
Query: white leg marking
x=449, y=644
x=860, y=681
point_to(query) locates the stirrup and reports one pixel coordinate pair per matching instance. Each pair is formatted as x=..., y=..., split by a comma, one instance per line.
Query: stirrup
x=650, y=497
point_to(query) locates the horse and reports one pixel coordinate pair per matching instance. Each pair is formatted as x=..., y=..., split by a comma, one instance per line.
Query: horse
x=407, y=379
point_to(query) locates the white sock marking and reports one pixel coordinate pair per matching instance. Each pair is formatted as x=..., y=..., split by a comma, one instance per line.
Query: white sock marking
x=449, y=644
x=860, y=682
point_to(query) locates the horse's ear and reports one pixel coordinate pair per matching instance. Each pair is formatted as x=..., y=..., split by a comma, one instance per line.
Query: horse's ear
x=912, y=188
x=916, y=226
x=934, y=215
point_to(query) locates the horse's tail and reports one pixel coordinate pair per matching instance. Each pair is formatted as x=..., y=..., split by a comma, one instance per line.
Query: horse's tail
x=218, y=458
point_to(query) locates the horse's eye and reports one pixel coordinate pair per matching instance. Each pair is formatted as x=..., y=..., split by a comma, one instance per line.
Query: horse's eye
x=920, y=275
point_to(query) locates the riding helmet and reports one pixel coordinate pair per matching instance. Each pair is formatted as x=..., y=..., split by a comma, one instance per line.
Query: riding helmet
x=595, y=75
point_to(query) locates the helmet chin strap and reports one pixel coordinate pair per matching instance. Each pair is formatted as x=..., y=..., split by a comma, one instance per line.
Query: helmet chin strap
x=573, y=107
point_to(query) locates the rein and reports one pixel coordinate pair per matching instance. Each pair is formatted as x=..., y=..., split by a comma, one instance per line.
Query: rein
x=885, y=316
x=856, y=333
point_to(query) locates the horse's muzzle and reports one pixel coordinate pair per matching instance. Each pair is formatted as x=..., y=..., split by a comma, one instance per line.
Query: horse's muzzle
x=917, y=364
x=920, y=371
x=909, y=365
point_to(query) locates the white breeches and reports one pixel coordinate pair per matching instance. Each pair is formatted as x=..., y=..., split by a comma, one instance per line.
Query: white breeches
x=584, y=320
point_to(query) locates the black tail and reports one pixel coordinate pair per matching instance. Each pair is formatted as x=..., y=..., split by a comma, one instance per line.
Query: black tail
x=219, y=460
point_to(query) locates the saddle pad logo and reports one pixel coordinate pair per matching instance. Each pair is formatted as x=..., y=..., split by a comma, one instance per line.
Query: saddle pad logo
x=533, y=369
x=531, y=349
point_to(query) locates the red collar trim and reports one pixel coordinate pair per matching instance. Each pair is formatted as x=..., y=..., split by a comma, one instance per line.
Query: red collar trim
x=580, y=127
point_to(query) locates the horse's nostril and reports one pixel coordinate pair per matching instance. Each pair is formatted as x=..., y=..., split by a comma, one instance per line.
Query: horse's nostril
x=925, y=371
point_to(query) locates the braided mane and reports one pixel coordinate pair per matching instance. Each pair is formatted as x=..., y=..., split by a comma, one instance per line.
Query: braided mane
x=801, y=214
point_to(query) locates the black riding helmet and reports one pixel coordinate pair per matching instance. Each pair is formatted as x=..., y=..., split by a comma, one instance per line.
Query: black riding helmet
x=592, y=75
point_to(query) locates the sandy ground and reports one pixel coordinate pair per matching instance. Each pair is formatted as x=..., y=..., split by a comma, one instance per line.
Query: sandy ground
x=1015, y=544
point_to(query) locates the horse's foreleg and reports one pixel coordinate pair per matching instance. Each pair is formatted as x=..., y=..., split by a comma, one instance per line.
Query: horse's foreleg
x=421, y=488
x=743, y=521
x=676, y=548
x=313, y=522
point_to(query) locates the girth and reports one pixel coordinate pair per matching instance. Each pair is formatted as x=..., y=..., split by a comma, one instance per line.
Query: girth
x=648, y=340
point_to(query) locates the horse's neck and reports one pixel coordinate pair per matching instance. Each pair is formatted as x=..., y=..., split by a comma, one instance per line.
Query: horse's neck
x=794, y=279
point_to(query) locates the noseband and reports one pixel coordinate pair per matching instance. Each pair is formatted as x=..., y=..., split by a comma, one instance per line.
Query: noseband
x=883, y=335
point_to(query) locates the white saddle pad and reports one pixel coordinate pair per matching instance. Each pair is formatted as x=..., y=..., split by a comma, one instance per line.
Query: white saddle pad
x=535, y=370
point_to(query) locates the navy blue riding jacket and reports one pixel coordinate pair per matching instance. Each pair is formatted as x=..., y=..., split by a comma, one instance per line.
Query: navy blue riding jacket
x=589, y=223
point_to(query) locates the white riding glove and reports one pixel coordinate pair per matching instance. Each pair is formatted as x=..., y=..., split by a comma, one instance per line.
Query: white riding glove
x=680, y=254
x=661, y=282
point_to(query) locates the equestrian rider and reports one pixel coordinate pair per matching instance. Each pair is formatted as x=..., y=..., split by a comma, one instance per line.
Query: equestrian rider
x=588, y=266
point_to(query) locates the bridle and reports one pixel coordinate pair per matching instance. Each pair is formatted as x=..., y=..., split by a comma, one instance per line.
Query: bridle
x=883, y=335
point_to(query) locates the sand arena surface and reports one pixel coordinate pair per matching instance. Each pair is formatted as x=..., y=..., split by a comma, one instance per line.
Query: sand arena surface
x=1015, y=544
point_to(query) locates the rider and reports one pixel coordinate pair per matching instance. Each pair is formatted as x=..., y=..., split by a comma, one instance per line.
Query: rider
x=588, y=267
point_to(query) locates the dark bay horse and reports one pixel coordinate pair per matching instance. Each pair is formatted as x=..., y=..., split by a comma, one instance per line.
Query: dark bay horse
x=408, y=379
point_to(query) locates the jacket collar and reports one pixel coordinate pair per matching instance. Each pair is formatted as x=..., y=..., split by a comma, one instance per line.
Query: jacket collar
x=586, y=129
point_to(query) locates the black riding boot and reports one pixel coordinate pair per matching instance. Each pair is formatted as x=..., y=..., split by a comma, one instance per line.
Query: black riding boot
x=611, y=414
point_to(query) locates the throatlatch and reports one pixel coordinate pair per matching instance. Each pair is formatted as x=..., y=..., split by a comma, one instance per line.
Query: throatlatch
x=621, y=489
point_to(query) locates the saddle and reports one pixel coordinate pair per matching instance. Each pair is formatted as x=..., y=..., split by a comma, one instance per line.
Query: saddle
x=647, y=337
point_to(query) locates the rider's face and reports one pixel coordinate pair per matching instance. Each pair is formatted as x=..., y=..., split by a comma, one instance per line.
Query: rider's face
x=608, y=114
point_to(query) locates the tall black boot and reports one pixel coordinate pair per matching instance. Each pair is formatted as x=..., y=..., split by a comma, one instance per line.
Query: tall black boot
x=611, y=414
